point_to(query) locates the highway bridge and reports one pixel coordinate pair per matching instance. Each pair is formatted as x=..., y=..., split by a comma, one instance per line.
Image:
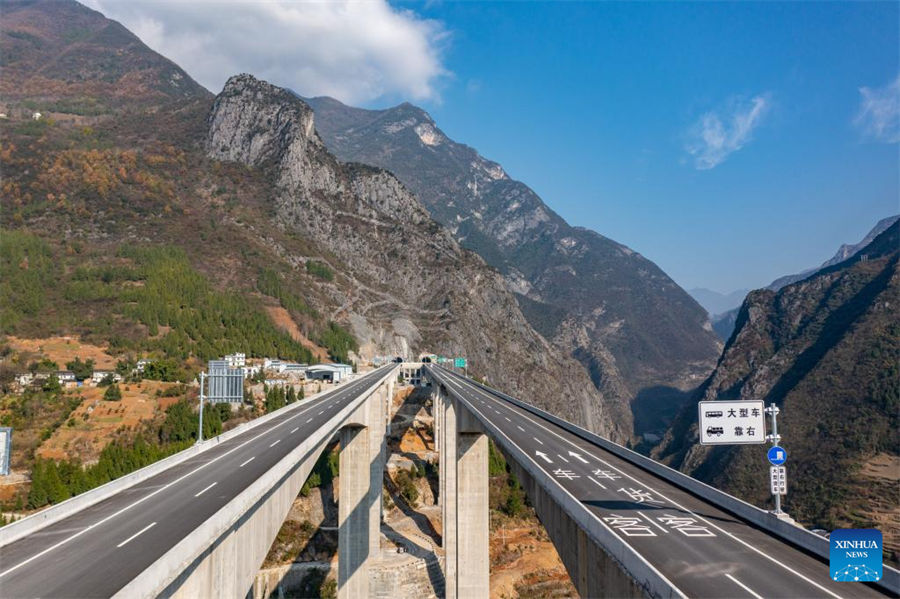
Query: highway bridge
x=200, y=523
x=623, y=530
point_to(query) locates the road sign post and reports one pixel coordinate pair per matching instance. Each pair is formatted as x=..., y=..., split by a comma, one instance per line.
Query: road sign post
x=777, y=456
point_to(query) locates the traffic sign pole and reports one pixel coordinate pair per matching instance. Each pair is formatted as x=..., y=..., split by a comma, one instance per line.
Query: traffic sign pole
x=773, y=411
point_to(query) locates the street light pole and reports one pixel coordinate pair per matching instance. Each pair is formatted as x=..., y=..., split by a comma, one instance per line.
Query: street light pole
x=200, y=427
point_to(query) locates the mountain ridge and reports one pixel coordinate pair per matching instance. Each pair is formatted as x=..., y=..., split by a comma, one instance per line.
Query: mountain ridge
x=723, y=322
x=826, y=350
x=620, y=315
x=271, y=221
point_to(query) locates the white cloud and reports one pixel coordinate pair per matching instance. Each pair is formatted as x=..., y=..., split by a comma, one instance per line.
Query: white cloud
x=879, y=112
x=717, y=134
x=354, y=51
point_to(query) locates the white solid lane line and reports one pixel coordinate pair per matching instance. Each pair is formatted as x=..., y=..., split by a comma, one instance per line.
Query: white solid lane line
x=596, y=482
x=743, y=586
x=698, y=516
x=206, y=489
x=275, y=443
x=648, y=519
x=144, y=498
x=294, y=430
x=247, y=462
x=136, y=535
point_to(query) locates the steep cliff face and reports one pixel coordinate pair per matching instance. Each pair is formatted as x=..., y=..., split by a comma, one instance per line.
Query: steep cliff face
x=826, y=350
x=621, y=316
x=414, y=287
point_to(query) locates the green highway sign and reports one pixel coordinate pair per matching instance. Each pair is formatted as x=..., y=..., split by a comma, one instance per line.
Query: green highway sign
x=459, y=362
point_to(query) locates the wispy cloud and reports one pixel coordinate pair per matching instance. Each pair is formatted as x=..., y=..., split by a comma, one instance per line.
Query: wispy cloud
x=719, y=133
x=879, y=112
x=355, y=51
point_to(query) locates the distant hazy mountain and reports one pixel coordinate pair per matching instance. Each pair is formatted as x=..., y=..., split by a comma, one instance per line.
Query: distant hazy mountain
x=826, y=350
x=617, y=312
x=723, y=321
x=716, y=303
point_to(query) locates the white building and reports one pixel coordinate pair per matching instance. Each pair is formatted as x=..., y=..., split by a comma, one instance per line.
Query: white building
x=36, y=116
x=346, y=369
x=293, y=368
x=99, y=375
x=252, y=370
x=325, y=372
x=272, y=364
x=238, y=360
x=141, y=364
x=24, y=380
x=65, y=376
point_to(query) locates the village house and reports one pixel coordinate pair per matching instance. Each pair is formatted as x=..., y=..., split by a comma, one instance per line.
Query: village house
x=100, y=375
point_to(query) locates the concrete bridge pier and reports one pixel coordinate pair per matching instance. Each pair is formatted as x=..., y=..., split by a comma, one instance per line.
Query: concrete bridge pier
x=472, y=515
x=463, y=494
x=359, y=502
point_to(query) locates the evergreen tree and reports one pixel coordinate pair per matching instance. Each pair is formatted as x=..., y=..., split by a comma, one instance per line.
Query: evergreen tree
x=113, y=393
x=51, y=385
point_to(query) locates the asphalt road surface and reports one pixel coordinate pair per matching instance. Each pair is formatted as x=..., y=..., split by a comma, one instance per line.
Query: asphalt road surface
x=97, y=551
x=700, y=549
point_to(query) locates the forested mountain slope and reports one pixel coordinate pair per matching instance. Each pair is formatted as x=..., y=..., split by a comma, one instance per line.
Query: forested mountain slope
x=826, y=350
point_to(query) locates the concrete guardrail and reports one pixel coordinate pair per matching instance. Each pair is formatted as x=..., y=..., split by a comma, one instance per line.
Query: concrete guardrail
x=28, y=525
x=791, y=533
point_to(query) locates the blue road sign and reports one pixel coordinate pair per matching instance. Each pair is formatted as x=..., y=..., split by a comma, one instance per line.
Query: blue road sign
x=777, y=455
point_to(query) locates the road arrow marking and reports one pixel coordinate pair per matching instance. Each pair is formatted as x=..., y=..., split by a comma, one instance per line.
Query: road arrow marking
x=578, y=457
x=543, y=455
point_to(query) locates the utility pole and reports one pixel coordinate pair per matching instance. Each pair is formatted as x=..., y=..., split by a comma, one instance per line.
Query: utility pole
x=200, y=427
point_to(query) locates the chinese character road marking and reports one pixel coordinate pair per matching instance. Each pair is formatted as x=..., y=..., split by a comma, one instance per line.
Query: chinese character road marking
x=639, y=495
x=566, y=474
x=606, y=474
x=628, y=526
x=686, y=526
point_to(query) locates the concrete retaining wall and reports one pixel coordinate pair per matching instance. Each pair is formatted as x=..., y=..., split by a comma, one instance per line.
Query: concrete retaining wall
x=34, y=522
x=786, y=531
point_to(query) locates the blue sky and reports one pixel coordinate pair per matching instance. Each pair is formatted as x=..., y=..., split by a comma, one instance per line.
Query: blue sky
x=594, y=106
x=730, y=142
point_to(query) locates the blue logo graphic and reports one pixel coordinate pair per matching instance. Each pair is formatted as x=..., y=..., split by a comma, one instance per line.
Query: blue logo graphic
x=777, y=455
x=856, y=555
